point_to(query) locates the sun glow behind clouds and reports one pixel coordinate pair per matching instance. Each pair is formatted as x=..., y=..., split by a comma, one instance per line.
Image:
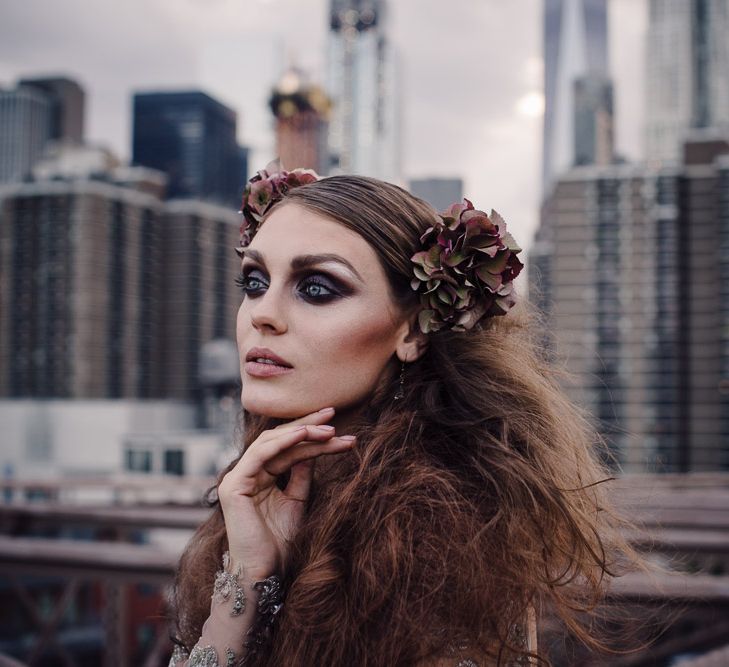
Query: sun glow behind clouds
x=531, y=105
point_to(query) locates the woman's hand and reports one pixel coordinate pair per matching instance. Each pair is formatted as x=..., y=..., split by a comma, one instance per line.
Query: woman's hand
x=260, y=518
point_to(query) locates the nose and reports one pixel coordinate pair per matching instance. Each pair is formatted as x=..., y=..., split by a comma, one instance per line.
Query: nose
x=267, y=312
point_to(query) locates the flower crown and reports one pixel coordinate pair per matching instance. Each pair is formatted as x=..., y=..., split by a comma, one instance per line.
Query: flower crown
x=463, y=273
x=263, y=190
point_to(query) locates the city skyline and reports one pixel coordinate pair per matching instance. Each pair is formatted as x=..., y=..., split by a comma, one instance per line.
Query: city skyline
x=575, y=49
x=687, y=82
x=491, y=139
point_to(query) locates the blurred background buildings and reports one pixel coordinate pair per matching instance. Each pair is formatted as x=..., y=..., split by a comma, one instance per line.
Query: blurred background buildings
x=35, y=112
x=364, y=133
x=192, y=138
x=440, y=193
x=687, y=86
x=577, y=89
x=628, y=262
x=119, y=375
x=301, y=110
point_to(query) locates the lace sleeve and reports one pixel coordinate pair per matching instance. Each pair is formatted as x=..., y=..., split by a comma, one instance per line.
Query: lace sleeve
x=241, y=617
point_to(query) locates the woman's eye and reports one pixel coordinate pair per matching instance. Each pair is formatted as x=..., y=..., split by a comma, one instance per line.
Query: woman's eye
x=251, y=283
x=317, y=289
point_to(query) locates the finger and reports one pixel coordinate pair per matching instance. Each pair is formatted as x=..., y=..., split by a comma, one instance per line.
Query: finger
x=320, y=417
x=294, y=455
x=300, y=481
x=315, y=418
x=254, y=459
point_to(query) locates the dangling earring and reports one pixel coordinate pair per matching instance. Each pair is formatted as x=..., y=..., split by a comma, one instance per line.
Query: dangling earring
x=400, y=393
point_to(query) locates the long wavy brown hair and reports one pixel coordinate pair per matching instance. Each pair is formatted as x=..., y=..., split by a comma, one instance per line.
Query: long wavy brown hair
x=473, y=498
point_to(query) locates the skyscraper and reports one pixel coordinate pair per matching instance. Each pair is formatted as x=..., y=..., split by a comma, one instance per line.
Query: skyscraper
x=33, y=113
x=575, y=44
x=192, y=138
x=106, y=291
x=440, y=193
x=25, y=127
x=364, y=132
x=301, y=110
x=593, y=120
x=636, y=291
x=67, y=106
x=687, y=73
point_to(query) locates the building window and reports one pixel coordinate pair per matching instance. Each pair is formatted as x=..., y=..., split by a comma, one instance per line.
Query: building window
x=174, y=462
x=138, y=460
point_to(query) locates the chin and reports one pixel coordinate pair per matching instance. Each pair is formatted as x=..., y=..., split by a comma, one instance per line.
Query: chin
x=276, y=407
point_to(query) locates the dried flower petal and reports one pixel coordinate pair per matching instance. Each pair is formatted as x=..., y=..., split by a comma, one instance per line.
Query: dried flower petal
x=265, y=189
x=465, y=270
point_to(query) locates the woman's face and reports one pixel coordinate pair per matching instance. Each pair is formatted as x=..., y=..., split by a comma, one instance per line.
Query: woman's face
x=317, y=314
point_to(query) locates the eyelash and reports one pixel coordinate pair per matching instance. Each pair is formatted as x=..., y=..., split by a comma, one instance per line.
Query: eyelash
x=242, y=281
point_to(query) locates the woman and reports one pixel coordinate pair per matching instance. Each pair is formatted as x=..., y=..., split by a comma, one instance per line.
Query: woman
x=414, y=485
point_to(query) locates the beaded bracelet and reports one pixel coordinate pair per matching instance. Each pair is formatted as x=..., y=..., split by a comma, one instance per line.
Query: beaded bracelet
x=269, y=605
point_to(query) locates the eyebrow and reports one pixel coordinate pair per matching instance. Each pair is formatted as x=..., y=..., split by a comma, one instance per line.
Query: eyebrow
x=305, y=261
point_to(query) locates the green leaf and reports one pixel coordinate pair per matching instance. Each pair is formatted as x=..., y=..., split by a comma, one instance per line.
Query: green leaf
x=493, y=282
x=425, y=318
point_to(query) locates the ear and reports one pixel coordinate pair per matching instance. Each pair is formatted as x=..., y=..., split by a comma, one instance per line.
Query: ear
x=411, y=342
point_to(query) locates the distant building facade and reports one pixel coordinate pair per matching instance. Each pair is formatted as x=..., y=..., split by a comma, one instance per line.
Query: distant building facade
x=25, y=128
x=107, y=291
x=440, y=193
x=192, y=138
x=34, y=113
x=633, y=271
x=687, y=74
x=593, y=120
x=301, y=111
x=364, y=132
x=68, y=102
x=575, y=46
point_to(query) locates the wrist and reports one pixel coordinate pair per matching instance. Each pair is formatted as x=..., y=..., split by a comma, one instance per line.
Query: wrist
x=250, y=573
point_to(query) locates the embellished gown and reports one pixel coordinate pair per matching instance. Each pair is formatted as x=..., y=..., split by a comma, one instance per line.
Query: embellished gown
x=224, y=638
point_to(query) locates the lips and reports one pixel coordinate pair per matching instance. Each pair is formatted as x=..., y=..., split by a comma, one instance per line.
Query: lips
x=264, y=355
x=262, y=362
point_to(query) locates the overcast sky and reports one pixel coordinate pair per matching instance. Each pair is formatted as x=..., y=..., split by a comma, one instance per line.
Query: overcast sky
x=471, y=75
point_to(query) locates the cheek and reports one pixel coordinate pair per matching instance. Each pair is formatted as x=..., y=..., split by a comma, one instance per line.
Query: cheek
x=239, y=322
x=339, y=357
x=243, y=324
x=352, y=350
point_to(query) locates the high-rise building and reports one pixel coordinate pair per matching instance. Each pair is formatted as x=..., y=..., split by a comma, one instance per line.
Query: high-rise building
x=687, y=74
x=25, y=128
x=200, y=298
x=575, y=45
x=32, y=114
x=364, y=132
x=593, y=120
x=106, y=290
x=301, y=111
x=440, y=193
x=67, y=100
x=636, y=292
x=192, y=138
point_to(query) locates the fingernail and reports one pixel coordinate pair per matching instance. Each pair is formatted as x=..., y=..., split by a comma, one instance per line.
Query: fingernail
x=300, y=428
x=327, y=410
x=347, y=438
x=325, y=427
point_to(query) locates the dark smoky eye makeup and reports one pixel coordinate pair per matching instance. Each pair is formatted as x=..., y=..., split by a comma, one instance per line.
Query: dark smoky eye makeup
x=251, y=279
x=312, y=284
x=320, y=287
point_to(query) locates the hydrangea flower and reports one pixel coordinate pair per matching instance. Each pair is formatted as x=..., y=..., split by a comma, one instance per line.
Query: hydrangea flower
x=263, y=190
x=466, y=269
